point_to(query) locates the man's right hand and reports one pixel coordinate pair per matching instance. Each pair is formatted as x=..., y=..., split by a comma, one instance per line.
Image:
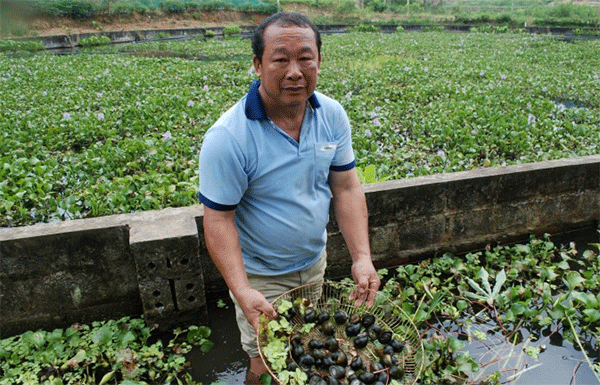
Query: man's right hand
x=253, y=304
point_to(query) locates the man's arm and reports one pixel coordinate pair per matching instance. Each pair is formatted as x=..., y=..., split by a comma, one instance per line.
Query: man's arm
x=223, y=243
x=350, y=208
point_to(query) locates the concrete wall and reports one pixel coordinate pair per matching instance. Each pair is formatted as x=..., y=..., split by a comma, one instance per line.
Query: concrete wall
x=155, y=263
x=70, y=41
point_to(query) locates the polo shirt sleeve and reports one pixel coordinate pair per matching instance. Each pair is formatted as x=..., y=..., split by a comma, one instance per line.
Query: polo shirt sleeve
x=344, y=156
x=223, y=179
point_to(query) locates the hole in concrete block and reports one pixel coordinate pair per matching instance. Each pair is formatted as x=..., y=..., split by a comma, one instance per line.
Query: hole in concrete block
x=156, y=293
x=184, y=261
x=189, y=286
x=159, y=305
x=191, y=298
x=151, y=266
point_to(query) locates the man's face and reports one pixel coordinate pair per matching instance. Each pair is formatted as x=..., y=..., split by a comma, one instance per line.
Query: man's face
x=290, y=65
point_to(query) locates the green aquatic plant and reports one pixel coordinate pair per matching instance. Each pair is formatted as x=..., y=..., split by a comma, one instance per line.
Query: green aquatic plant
x=108, y=352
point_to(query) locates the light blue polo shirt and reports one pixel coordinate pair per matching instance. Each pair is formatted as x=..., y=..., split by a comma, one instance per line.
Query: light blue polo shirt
x=277, y=186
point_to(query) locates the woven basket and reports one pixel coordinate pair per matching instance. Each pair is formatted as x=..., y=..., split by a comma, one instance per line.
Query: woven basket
x=332, y=296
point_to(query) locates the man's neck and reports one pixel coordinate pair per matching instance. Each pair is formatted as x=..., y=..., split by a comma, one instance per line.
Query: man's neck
x=289, y=117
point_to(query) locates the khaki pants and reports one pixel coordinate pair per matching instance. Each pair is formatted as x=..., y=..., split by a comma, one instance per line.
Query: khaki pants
x=272, y=287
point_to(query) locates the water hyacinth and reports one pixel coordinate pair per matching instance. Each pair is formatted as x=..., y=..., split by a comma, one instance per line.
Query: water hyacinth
x=450, y=107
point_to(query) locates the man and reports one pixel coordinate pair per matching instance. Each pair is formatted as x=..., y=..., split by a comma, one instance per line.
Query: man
x=269, y=169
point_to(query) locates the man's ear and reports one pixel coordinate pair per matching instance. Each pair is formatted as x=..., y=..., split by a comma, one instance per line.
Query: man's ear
x=257, y=65
x=319, y=65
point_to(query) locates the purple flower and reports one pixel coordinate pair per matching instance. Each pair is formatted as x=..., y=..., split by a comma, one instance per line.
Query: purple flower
x=531, y=120
x=3, y=79
x=205, y=88
x=441, y=154
x=44, y=93
x=368, y=133
x=204, y=78
x=190, y=103
x=502, y=76
x=66, y=116
x=482, y=73
x=100, y=116
x=99, y=94
x=166, y=136
x=376, y=122
x=373, y=114
x=595, y=77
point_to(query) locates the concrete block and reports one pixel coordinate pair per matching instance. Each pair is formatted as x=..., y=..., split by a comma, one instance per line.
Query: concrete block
x=165, y=246
x=48, y=272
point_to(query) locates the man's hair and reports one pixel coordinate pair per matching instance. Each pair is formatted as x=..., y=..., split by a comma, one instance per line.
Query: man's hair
x=283, y=19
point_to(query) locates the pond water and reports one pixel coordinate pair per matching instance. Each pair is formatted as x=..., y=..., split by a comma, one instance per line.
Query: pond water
x=560, y=364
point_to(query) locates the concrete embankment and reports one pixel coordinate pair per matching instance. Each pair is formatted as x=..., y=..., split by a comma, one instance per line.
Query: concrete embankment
x=156, y=263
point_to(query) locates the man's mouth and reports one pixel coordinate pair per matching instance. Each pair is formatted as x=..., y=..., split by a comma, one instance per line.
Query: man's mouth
x=294, y=88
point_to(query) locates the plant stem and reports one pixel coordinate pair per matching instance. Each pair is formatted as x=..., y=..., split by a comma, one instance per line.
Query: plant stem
x=582, y=349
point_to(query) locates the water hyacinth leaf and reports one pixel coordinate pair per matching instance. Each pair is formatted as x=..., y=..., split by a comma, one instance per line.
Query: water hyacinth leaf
x=461, y=304
x=455, y=344
x=38, y=339
x=589, y=300
x=573, y=280
x=533, y=351
x=591, y=315
x=102, y=336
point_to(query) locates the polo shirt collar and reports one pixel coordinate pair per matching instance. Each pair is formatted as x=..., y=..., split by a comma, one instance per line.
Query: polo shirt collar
x=255, y=109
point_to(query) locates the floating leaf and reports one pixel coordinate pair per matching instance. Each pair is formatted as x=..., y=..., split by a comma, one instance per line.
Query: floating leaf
x=533, y=351
x=573, y=279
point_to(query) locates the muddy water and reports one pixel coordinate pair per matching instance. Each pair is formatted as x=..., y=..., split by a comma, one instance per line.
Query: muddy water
x=226, y=362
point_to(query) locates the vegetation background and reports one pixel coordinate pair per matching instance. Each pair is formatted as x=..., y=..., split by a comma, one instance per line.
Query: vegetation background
x=27, y=18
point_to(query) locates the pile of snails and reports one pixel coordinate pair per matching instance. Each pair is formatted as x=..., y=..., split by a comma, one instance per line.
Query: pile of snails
x=331, y=360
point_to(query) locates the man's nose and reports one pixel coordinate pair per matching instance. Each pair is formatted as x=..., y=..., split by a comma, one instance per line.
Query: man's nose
x=294, y=70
